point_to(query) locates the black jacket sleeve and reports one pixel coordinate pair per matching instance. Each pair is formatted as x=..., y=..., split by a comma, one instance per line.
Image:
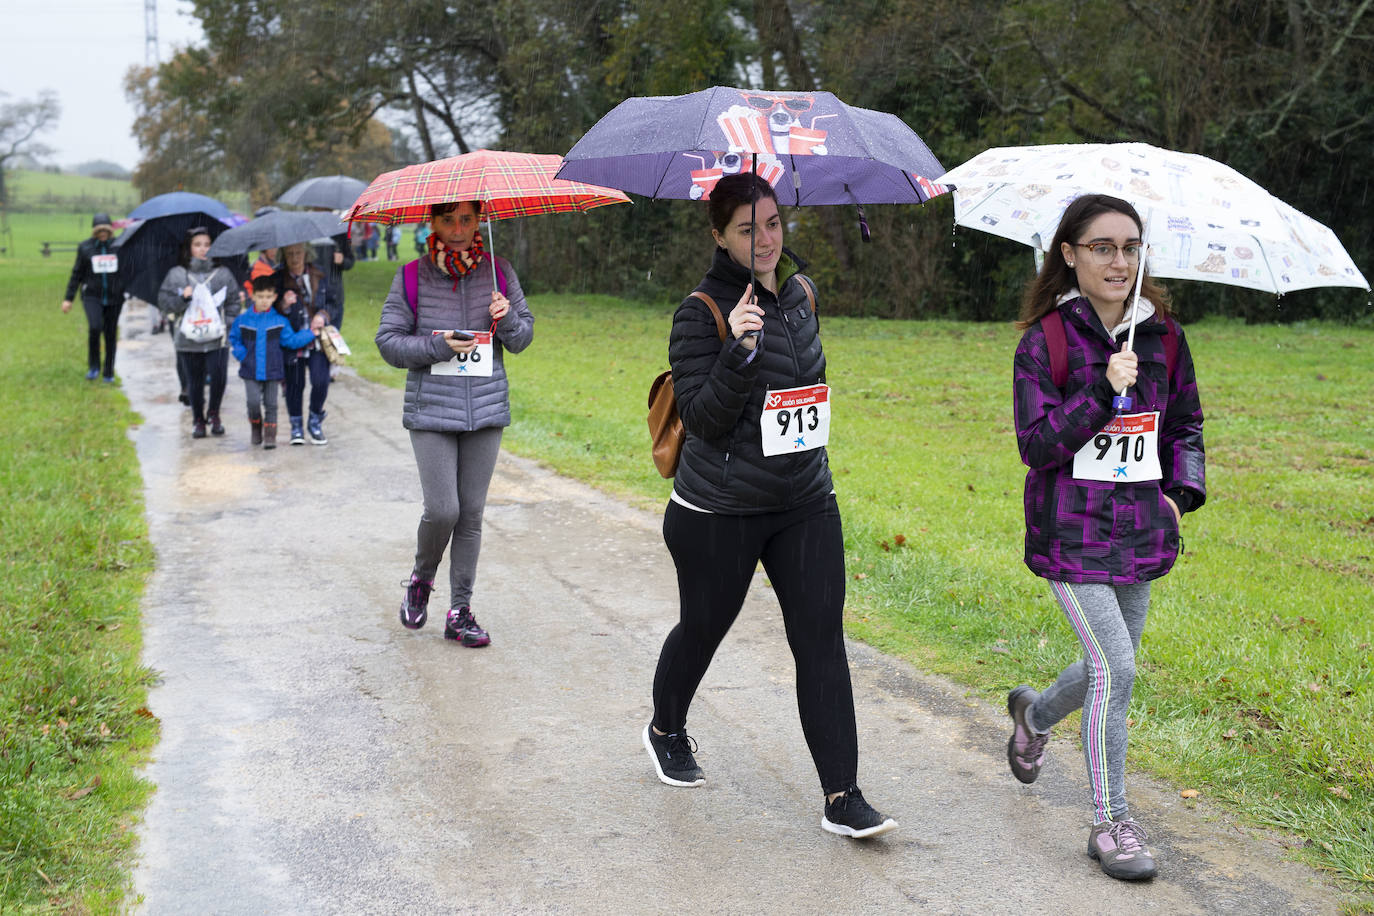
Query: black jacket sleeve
x=80, y=272
x=711, y=378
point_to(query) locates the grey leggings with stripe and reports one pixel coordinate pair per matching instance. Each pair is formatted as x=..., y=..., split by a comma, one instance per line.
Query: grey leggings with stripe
x=455, y=472
x=1108, y=620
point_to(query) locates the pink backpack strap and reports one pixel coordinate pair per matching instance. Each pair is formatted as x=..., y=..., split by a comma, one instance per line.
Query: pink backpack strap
x=410, y=276
x=1053, y=326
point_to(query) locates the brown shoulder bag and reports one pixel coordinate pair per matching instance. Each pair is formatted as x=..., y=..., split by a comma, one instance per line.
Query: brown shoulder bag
x=665, y=427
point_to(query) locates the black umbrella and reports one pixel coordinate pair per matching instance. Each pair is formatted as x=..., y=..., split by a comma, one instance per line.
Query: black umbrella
x=151, y=248
x=333, y=192
x=276, y=230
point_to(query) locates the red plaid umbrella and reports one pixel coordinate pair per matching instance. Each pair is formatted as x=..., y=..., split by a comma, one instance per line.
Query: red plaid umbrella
x=507, y=184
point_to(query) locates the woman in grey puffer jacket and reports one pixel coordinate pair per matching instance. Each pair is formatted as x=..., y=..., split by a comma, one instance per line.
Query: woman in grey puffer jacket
x=451, y=329
x=200, y=358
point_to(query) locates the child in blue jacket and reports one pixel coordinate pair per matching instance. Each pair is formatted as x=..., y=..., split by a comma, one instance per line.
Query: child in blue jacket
x=258, y=338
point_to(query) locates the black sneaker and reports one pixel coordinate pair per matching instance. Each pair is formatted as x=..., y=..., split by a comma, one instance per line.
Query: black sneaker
x=415, y=605
x=462, y=626
x=672, y=757
x=849, y=815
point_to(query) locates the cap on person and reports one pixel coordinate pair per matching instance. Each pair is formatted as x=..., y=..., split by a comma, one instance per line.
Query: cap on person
x=101, y=221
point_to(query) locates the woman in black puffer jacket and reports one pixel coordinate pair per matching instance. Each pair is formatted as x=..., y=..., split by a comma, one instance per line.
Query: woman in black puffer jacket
x=753, y=484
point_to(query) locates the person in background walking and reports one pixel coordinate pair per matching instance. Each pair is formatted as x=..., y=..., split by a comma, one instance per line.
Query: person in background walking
x=430, y=325
x=268, y=259
x=200, y=359
x=260, y=339
x=736, y=500
x=393, y=242
x=332, y=261
x=1101, y=528
x=96, y=274
x=306, y=299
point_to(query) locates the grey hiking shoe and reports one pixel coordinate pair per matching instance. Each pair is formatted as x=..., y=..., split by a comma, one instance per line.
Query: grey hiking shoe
x=1026, y=747
x=672, y=757
x=1120, y=847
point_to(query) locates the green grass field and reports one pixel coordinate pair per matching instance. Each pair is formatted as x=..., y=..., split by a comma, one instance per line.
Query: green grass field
x=73, y=725
x=48, y=192
x=1254, y=686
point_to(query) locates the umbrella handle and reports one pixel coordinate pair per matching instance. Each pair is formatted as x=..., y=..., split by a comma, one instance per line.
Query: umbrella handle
x=491, y=255
x=1121, y=402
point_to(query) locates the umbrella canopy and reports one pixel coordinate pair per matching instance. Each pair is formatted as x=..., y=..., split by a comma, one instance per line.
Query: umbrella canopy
x=178, y=202
x=149, y=249
x=276, y=229
x=332, y=192
x=1203, y=220
x=508, y=185
x=811, y=147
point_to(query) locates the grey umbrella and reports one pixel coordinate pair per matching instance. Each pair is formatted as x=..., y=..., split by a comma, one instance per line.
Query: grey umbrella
x=276, y=230
x=333, y=192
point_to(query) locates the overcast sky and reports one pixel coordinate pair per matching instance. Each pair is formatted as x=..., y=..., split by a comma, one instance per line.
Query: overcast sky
x=81, y=49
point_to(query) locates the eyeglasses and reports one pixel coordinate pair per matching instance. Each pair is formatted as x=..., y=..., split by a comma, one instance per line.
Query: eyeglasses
x=769, y=102
x=1105, y=252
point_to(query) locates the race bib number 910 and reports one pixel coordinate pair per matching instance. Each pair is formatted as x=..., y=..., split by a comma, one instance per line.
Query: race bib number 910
x=1126, y=450
x=795, y=420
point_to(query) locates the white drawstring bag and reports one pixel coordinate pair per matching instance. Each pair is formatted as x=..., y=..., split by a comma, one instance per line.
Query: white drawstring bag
x=201, y=322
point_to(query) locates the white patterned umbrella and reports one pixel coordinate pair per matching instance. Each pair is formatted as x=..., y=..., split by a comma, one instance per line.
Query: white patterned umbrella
x=1203, y=220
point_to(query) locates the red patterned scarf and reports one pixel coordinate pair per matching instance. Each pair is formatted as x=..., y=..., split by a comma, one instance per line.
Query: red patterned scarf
x=456, y=263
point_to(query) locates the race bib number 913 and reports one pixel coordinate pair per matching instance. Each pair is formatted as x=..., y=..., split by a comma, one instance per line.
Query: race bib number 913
x=1126, y=450
x=795, y=420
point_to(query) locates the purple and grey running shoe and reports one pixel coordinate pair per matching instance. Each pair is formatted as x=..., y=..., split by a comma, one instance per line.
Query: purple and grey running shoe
x=415, y=605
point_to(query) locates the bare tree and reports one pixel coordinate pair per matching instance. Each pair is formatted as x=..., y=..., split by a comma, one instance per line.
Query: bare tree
x=20, y=122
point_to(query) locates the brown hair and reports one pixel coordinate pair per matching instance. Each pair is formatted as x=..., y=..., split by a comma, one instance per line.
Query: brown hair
x=437, y=210
x=1056, y=278
x=732, y=192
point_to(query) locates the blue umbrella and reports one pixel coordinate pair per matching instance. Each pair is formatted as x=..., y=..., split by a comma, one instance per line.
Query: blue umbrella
x=811, y=147
x=178, y=202
x=149, y=249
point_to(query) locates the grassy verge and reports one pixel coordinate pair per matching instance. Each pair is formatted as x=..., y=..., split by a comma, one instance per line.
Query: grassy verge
x=1255, y=687
x=51, y=192
x=75, y=556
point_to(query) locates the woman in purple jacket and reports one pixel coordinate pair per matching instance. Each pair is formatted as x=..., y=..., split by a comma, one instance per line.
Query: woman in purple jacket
x=1105, y=492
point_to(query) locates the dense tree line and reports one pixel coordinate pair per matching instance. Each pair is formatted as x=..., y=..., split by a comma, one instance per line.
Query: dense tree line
x=1279, y=89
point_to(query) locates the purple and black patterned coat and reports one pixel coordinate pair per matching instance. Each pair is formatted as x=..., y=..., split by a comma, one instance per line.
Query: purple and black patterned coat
x=1095, y=531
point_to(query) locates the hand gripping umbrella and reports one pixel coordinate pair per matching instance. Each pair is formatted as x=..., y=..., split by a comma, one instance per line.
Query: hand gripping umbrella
x=1203, y=220
x=508, y=185
x=813, y=149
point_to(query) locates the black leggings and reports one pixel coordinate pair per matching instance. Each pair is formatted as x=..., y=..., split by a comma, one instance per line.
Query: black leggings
x=198, y=365
x=803, y=553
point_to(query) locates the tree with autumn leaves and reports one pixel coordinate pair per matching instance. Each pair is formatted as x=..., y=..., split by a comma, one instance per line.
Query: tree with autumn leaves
x=1279, y=89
